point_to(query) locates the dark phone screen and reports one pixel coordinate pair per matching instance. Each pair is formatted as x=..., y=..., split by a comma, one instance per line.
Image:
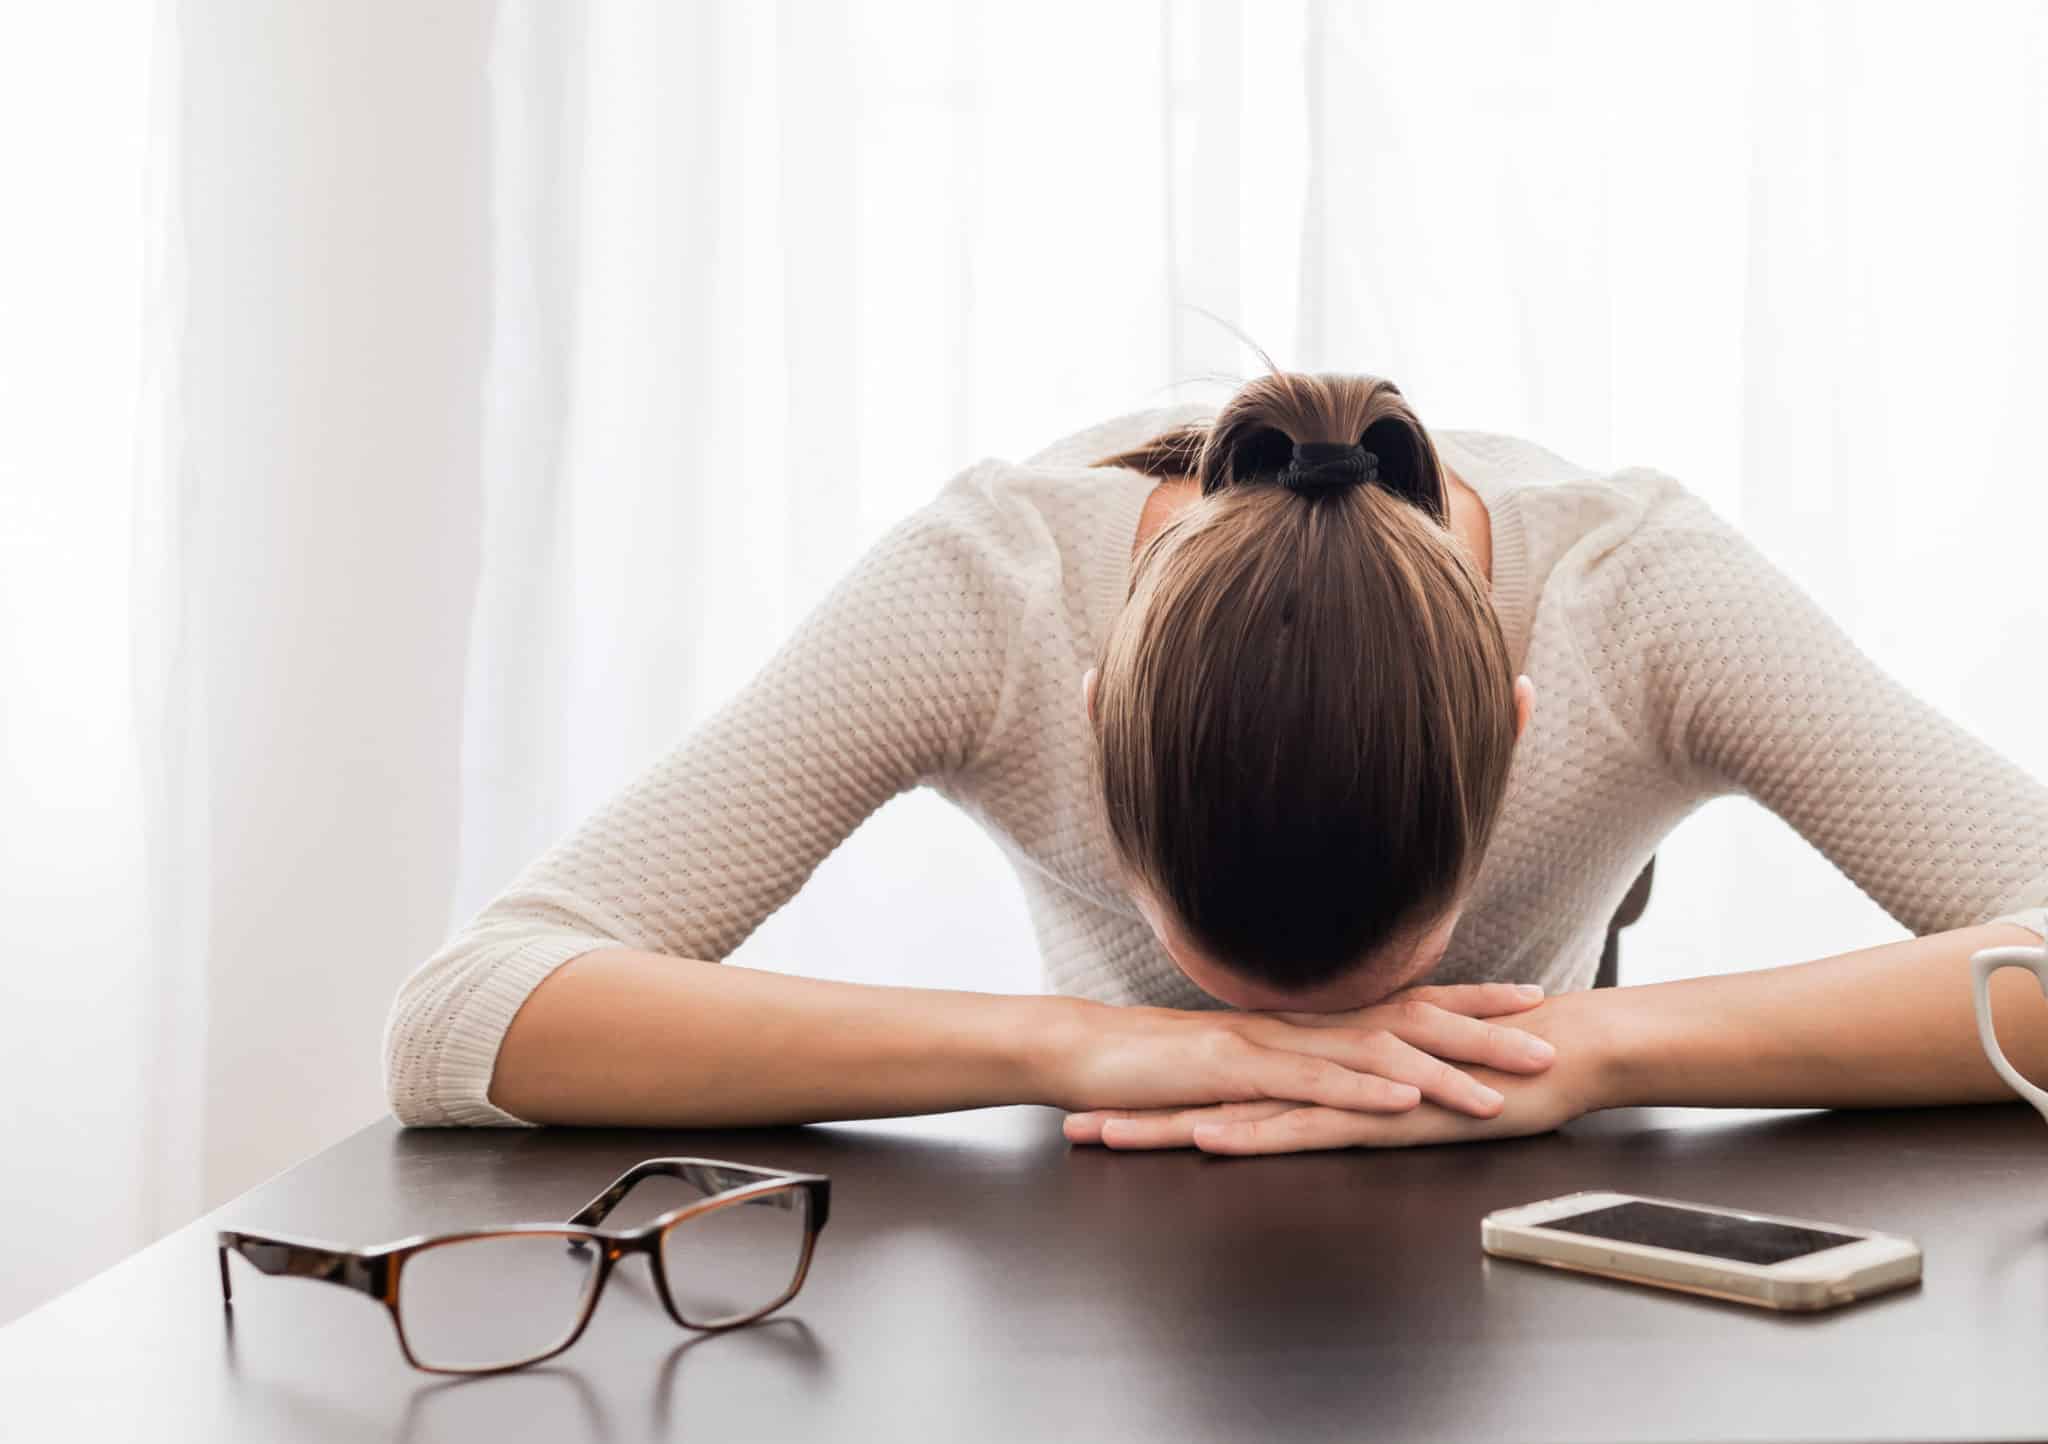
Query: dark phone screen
x=1717, y=1235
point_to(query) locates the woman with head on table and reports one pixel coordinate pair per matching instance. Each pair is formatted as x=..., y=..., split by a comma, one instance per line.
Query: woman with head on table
x=1325, y=744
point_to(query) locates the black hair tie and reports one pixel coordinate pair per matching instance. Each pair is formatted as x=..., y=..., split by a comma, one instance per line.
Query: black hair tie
x=1322, y=466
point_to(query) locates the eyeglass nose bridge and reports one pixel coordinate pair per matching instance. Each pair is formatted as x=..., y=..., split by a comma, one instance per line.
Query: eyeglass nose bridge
x=615, y=1251
x=610, y=1254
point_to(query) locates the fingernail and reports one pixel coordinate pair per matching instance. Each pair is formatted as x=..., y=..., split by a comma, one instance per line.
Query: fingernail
x=1532, y=991
x=1490, y=1095
x=1536, y=1047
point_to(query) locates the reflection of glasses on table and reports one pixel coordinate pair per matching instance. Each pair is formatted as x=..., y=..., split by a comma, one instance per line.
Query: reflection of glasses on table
x=482, y=1300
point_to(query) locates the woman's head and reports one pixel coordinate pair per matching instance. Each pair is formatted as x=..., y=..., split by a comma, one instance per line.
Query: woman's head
x=1304, y=715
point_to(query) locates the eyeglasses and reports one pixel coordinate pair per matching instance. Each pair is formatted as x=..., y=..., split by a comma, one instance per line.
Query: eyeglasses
x=485, y=1300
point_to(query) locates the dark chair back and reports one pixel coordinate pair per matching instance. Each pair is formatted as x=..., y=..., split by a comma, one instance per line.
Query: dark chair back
x=1632, y=904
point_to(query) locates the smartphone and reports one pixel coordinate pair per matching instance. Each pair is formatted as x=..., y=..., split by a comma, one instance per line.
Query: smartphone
x=1699, y=1248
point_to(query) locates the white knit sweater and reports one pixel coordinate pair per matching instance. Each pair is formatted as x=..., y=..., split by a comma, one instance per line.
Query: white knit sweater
x=1672, y=662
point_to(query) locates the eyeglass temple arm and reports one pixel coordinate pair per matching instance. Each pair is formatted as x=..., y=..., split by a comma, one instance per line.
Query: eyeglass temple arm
x=301, y=1260
x=705, y=1176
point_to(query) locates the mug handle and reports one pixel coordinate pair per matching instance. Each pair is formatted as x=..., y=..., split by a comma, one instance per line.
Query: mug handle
x=1982, y=966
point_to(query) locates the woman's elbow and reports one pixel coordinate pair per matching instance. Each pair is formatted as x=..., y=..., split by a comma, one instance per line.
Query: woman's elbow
x=432, y=1047
x=447, y=1021
x=409, y=1046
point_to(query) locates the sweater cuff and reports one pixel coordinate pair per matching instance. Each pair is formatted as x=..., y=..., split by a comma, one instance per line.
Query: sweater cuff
x=456, y=1075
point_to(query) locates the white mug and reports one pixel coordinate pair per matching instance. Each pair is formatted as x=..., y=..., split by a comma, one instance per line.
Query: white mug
x=1982, y=966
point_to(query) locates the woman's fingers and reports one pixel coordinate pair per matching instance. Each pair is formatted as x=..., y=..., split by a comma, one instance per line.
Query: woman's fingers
x=1383, y=1060
x=1260, y=1075
x=1087, y=1127
x=1271, y=1126
x=1382, y=1053
x=1163, y=1127
x=1394, y=1057
x=1421, y=1024
x=1477, y=1000
x=1294, y=1131
x=1473, y=1000
x=1470, y=1040
x=1311, y=1077
x=1278, y=1127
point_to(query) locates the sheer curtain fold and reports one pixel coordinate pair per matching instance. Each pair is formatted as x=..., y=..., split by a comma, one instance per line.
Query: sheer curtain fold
x=535, y=74
x=168, y=648
x=512, y=379
x=83, y=752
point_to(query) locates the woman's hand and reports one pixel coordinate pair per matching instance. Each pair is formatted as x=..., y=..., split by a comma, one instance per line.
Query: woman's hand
x=1535, y=1102
x=1368, y=1062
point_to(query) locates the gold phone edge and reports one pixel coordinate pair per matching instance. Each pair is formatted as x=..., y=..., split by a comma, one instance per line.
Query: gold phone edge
x=1819, y=1304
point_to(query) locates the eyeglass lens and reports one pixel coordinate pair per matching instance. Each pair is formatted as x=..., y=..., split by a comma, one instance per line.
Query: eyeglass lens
x=486, y=1302
x=738, y=1259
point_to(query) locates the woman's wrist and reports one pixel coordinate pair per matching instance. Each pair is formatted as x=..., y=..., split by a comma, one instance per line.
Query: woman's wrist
x=1592, y=1034
x=1883, y=1027
x=1051, y=1033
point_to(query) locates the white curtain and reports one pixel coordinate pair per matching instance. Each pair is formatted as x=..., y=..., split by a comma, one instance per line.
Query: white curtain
x=418, y=418
x=79, y=985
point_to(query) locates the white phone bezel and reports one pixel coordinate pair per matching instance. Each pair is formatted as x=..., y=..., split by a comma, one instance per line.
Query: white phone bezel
x=1875, y=1261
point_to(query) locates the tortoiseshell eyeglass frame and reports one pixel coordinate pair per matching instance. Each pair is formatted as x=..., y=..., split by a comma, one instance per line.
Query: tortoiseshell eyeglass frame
x=379, y=1270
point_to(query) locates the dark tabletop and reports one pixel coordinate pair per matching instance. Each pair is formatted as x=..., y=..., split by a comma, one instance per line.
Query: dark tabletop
x=982, y=1279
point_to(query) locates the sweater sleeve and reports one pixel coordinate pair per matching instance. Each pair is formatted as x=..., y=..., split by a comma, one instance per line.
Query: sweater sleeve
x=892, y=680
x=1747, y=686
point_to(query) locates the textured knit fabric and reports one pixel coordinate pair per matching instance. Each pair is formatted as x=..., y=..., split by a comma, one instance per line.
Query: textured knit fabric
x=1673, y=663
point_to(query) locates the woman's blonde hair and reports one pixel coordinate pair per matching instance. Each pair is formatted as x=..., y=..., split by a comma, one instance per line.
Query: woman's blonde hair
x=1305, y=712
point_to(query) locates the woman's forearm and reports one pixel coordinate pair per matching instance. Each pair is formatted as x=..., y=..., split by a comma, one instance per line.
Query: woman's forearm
x=1889, y=1026
x=623, y=1037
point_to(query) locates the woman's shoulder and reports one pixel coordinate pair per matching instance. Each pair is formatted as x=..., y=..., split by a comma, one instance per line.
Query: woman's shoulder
x=1547, y=506
x=1044, y=496
x=1118, y=433
x=1052, y=508
x=1046, y=539
x=1627, y=546
x=1500, y=460
x=1497, y=462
